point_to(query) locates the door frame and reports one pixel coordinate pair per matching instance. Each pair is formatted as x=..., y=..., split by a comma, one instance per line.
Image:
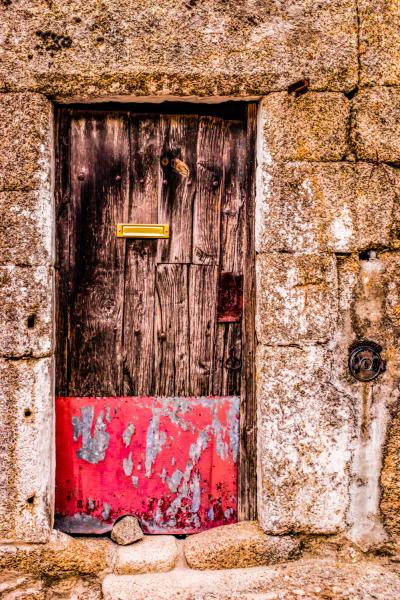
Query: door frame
x=247, y=475
x=247, y=468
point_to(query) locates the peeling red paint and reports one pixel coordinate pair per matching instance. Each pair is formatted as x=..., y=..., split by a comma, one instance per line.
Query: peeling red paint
x=172, y=462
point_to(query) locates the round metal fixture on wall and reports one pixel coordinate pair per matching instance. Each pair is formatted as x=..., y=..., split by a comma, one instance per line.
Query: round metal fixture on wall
x=365, y=361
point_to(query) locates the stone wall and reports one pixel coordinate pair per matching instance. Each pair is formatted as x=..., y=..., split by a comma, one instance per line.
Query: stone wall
x=327, y=195
x=326, y=200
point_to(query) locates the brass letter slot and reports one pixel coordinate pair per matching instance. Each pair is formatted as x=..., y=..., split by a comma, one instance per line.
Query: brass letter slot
x=127, y=230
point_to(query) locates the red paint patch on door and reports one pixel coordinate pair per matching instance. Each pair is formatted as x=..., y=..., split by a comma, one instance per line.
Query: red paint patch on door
x=171, y=462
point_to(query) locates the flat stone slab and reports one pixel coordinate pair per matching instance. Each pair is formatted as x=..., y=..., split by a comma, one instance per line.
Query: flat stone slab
x=309, y=579
x=240, y=545
x=152, y=554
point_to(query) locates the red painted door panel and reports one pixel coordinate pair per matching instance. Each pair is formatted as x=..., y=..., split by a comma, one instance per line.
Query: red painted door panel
x=172, y=462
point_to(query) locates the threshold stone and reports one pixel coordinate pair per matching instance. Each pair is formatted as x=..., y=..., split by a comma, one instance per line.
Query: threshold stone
x=126, y=531
x=298, y=580
x=239, y=545
x=152, y=554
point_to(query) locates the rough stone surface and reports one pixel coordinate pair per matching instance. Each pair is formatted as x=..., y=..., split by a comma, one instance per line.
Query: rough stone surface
x=126, y=531
x=390, y=477
x=376, y=124
x=310, y=127
x=327, y=207
x=298, y=301
x=26, y=228
x=305, y=431
x=322, y=436
x=202, y=48
x=303, y=579
x=26, y=300
x=239, y=545
x=368, y=309
x=26, y=450
x=75, y=589
x=379, y=42
x=60, y=557
x=152, y=554
x=25, y=139
x=14, y=586
x=383, y=275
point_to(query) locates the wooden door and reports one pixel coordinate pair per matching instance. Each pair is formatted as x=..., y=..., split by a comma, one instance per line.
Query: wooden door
x=151, y=328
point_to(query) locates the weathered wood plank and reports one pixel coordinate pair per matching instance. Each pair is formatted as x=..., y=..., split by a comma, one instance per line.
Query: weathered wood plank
x=172, y=331
x=96, y=340
x=202, y=316
x=228, y=343
x=145, y=168
x=228, y=336
x=248, y=411
x=64, y=222
x=178, y=163
x=234, y=197
x=140, y=265
x=99, y=192
x=207, y=204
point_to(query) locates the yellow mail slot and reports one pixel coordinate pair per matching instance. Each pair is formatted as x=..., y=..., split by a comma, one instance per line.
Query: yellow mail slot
x=142, y=231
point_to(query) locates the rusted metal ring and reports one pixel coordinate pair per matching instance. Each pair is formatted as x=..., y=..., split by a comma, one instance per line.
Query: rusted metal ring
x=365, y=362
x=233, y=363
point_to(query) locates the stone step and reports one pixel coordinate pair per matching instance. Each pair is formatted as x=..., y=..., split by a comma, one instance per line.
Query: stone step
x=307, y=579
x=239, y=545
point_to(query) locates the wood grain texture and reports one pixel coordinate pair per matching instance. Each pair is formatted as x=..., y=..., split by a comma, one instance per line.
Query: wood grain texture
x=172, y=331
x=202, y=313
x=138, y=317
x=234, y=197
x=207, y=204
x=138, y=322
x=225, y=381
x=248, y=411
x=178, y=164
x=62, y=277
x=140, y=264
x=99, y=150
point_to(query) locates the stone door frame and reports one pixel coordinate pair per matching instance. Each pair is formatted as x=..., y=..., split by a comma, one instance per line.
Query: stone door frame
x=316, y=189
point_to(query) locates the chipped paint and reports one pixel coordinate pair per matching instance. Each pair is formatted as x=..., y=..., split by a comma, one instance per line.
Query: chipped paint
x=174, y=481
x=170, y=461
x=128, y=433
x=127, y=465
x=94, y=447
x=154, y=442
x=106, y=511
x=233, y=428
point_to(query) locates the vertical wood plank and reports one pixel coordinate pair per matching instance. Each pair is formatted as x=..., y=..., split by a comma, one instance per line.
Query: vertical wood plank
x=64, y=221
x=172, y=331
x=248, y=411
x=228, y=336
x=233, y=197
x=226, y=382
x=207, y=204
x=140, y=265
x=99, y=156
x=202, y=315
x=139, y=297
x=178, y=164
